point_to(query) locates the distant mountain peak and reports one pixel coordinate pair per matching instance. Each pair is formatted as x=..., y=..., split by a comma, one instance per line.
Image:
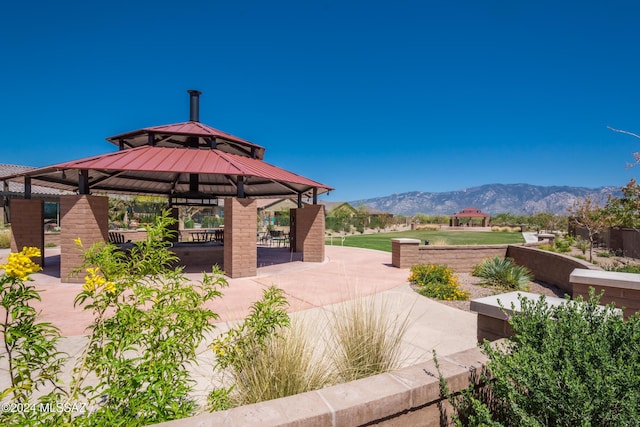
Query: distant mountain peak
x=518, y=199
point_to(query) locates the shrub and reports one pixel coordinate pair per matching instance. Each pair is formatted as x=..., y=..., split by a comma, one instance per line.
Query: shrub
x=5, y=239
x=629, y=268
x=503, y=273
x=606, y=255
x=149, y=321
x=244, y=346
x=547, y=247
x=29, y=346
x=429, y=227
x=564, y=244
x=437, y=281
x=582, y=244
x=574, y=364
x=366, y=339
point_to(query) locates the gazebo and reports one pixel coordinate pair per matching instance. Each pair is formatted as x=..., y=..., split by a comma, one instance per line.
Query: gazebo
x=188, y=163
x=468, y=214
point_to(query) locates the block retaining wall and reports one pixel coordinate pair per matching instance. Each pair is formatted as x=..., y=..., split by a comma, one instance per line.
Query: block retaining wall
x=408, y=396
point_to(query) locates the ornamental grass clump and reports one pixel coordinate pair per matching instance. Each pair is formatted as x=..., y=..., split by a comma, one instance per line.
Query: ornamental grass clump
x=503, y=273
x=365, y=339
x=437, y=281
x=285, y=365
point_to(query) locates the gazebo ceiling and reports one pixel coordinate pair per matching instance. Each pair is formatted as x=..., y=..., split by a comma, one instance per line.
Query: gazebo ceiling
x=174, y=171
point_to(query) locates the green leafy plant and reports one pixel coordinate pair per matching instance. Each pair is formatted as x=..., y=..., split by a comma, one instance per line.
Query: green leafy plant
x=30, y=346
x=244, y=345
x=437, y=281
x=503, y=273
x=581, y=244
x=573, y=364
x=366, y=339
x=563, y=244
x=149, y=320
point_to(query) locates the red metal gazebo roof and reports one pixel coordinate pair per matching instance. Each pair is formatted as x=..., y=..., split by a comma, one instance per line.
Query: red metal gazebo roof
x=177, y=134
x=168, y=171
x=471, y=212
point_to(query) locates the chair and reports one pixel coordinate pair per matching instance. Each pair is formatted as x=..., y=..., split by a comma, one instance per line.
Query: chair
x=116, y=238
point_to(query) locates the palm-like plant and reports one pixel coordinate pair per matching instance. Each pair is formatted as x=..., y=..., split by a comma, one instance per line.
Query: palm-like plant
x=503, y=273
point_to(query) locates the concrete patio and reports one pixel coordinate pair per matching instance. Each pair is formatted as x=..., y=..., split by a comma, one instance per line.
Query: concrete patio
x=313, y=290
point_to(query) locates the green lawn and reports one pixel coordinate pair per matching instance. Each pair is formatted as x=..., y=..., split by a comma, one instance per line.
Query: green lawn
x=382, y=241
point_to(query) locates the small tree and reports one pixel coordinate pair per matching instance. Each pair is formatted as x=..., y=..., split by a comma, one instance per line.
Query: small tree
x=588, y=214
x=625, y=211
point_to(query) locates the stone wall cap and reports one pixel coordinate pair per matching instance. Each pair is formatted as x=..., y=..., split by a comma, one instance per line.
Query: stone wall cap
x=490, y=306
x=405, y=240
x=613, y=279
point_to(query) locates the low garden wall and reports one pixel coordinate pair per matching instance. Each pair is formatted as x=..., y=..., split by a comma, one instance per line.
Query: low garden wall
x=407, y=252
x=548, y=267
x=623, y=289
x=408, y=396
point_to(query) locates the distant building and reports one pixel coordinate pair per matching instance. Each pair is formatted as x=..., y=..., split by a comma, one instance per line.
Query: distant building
x=11, y=190
x=467, y=215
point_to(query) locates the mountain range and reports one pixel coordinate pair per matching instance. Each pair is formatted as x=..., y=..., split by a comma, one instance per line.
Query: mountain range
x=518, y=199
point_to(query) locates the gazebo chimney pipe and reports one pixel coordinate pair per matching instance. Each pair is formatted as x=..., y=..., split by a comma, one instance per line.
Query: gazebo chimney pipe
x=194, y=106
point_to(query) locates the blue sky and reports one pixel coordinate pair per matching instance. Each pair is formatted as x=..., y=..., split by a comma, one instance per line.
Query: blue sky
x=370, y=97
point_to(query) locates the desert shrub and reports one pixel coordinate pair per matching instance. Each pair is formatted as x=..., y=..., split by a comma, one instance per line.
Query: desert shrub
x=547, y=247
x=574, y=364
x=429, y=227
x=582, y=244
x=628, y=268
x=605, y=254
x=502, y=273
x=505, y=229
x=366, y=339
x=579, y=256
x=437, y=281
x=563, y=244
x=5, y=239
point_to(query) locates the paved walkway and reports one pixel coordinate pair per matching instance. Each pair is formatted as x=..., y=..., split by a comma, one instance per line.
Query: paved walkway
x=313, y=290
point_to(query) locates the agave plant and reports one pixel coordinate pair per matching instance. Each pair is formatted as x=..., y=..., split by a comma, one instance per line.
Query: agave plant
x=503, y=273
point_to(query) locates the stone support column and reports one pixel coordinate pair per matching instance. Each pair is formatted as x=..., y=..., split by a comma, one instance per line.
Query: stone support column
x=84, y=217
x=309, y=233
x=404, y=252
x=240, y=227
x=27, y=226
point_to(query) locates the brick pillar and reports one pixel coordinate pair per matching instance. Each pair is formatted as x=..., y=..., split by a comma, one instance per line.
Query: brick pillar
x=240, y=227
x=309, y=233
x=404, y=252
x=27, y=226
x=85, y=217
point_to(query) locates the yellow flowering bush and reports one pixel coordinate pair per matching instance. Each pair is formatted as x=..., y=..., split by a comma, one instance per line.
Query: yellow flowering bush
x=437, y=281
x=94, y=281
x=29, y=346
x=19, y=265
